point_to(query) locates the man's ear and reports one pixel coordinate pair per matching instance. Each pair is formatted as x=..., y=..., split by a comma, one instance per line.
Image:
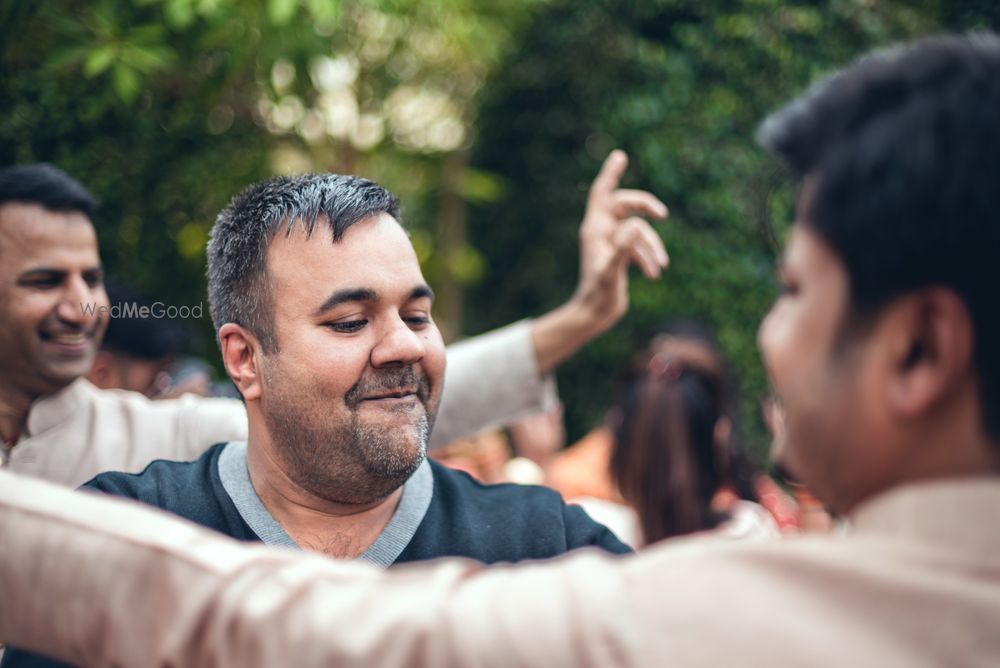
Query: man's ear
x=931, y=340
x=241, y=353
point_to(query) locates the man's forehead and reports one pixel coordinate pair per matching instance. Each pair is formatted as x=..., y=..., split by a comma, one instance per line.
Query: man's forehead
x=31, y=233
x=318, y=237
x=373, y=253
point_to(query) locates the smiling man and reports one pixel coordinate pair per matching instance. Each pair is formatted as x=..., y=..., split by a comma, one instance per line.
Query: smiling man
x=354, y=384
x=325, y=326
x=54, y=423
x=49, y=264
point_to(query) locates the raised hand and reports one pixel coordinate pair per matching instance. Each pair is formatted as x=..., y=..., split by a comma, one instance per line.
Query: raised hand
x=613, y=235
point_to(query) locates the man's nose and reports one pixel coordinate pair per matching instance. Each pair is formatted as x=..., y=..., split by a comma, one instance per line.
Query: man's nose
x=398, y=345
x=81, y=301
x=764, y=335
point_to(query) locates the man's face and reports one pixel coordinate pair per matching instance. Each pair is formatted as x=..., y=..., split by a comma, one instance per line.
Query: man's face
x=351, y=393
x=823, y=388
x=49, y=267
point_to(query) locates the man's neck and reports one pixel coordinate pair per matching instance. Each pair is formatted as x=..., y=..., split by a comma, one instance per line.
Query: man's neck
x=339, y=530
x=15, y=405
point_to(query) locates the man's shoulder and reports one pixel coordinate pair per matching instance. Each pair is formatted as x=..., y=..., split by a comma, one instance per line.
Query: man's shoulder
x=505, y=522
x=162, y=481
x=460, y=486
x=192, y=490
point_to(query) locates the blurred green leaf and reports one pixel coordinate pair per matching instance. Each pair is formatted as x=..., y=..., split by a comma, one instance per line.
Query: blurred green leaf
x=280, y=12
x=126, y=82
x=325, y=11
x=191, y=240
x=466, y=264
x=66, y=57
x=145, y=58
x=103, y=20
x=179, y=14
x=99, y=60
x=482, y=187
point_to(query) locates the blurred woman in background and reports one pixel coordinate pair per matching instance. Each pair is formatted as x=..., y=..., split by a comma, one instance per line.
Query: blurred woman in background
x=673, y=458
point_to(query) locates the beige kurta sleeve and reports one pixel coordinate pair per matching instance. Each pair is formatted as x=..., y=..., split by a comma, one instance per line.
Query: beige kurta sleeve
x=99, y=581
x=491, y=380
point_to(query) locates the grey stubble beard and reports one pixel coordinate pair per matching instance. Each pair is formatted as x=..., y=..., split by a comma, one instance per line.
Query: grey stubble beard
x=351, y=462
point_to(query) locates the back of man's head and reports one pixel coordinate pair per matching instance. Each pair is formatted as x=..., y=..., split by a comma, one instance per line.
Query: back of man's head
x=901, y=153
x=46, y=186
x=238, y=290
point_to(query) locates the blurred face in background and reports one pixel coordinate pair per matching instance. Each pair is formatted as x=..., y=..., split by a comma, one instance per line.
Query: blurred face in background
x=822, y=381
x=51, y=285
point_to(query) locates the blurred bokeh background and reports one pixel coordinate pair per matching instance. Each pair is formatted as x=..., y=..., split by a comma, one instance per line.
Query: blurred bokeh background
x=488, y=119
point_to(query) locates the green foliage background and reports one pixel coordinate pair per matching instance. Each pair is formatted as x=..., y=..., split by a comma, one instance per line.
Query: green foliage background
x=488, y=119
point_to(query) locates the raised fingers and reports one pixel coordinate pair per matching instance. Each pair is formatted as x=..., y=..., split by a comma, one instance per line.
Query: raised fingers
x=638, y=242
x=610, y=175
x=637, y=203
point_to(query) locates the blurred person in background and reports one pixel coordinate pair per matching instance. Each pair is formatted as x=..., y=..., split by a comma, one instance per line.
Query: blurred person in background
x=484, y=456
x=136, y=352
x=538, y=438
x=673, y=459
x=54, y=423
x=517, y=454
x=146, y=354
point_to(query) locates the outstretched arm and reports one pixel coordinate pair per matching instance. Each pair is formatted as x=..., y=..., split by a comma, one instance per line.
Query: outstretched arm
x=99, y=581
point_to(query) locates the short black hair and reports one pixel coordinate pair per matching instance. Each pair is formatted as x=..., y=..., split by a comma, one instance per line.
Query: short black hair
x=901, y=151
x=238, y=290
x=46, y=186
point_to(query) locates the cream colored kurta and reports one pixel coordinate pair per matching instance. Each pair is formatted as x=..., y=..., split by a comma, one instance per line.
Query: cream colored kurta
x=916, y=582
x=81, y=431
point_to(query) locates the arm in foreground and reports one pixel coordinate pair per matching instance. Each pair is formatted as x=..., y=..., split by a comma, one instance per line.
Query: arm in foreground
x=148, y=589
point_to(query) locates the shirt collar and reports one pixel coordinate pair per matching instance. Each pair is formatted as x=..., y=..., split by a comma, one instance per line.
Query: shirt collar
x=416, y=499
x=51, y=410
x=958, y=512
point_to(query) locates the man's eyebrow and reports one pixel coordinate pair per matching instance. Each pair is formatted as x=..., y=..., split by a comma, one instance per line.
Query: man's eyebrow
x=348, y=295
x=40, y=272
x=421, y=292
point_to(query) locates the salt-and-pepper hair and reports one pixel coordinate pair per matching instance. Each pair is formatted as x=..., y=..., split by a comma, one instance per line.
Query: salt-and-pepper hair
x=239, y=290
